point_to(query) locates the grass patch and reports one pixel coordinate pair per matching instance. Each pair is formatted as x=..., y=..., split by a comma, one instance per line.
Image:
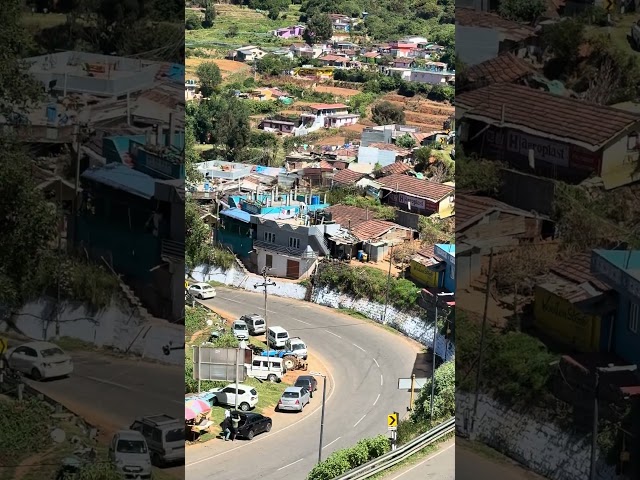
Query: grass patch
x=253, y=28
x=70, y=344
x=619, y=32
x=40, y=21
x=354, y=314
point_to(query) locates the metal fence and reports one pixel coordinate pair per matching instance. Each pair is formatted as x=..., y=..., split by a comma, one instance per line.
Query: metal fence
x=394, y=457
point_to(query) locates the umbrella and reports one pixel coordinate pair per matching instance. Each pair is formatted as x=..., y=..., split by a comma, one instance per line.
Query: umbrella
x=194, y=407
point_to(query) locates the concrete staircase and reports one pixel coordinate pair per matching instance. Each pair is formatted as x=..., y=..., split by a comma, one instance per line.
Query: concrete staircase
x=318, y=236
x=135, y=302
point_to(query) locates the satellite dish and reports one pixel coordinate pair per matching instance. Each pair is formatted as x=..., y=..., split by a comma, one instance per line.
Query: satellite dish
x=209, y=322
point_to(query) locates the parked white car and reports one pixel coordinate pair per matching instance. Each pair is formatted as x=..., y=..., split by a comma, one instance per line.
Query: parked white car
x=247, y=396
x=297, y=346
x=293, y=398
x=129, y=453
x=202, y=291
x=40, y=360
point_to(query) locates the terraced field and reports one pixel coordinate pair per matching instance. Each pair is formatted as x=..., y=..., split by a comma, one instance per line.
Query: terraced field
x=418, y=111
x=227, y=67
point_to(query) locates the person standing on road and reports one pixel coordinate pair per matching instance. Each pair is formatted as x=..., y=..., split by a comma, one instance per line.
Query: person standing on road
x=226, y=429
x=235, y=422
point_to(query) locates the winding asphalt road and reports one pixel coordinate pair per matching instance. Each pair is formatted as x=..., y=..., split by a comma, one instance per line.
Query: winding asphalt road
x=364, y=363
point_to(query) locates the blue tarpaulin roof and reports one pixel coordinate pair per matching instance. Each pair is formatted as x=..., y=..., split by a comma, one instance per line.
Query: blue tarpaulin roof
x=121, y=177
x=237, y=213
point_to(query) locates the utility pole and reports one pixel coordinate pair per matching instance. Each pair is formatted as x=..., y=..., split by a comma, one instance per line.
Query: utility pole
x=386, y=301
x=482, y=335
x=266, y=283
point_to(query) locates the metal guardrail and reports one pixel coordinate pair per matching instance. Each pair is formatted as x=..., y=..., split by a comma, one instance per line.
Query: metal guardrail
x=394, y=457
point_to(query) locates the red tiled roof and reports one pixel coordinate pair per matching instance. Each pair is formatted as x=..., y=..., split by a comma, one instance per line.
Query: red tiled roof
x=503, y=68
x=577, y=269
x=327, y=106
x=470, y=206
x=416, y=187
x=371, y=55
x=347, y=215
x=397, y=167
x=333, y=58
x=347, y=177
x=403, y=60
x=372, y=229
x=555, y=116
x=340, y=165
x=469, y=17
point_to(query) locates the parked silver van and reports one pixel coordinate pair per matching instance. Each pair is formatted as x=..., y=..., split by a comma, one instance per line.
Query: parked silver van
x=165, y=436
x=255, y=322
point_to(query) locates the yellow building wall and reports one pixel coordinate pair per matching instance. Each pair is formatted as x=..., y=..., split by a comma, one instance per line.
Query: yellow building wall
x=559, y=319
x=446, y=207
x=423, y=275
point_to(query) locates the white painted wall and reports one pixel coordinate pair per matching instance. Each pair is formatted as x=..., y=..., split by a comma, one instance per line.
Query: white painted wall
x=372, y=155
x=112, y=327
x=541, y=446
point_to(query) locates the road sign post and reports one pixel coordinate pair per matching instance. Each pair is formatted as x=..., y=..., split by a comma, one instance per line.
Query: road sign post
x=392, y=421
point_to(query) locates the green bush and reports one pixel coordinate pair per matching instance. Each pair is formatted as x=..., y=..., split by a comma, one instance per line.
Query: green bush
x=444, y=399
x=370, y=283
x=340, y=462
x=21, y=429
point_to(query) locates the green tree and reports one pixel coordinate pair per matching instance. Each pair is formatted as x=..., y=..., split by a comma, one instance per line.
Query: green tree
x=209, y=14
x=210, y=78
x=564, y=42
x=232, y=126
x=386, y=113
x=197, y=236
x=192, y=21
x=444, y=399
x=406, y=141
x=233, y=30
x=319, y=29
x=522, y=10
x=273, y=64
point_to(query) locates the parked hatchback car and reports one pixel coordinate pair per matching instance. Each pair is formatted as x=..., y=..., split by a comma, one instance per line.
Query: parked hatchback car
x=129, y=453
x=308, y=382
x=293, y=398
x=40, y=360
x=165, y=437
x=255, y=323
x=252, y=424
x=202, y=291
x=240, y=330
x=247, y=396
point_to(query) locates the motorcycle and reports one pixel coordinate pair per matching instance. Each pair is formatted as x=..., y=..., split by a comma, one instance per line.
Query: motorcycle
x=73, y=464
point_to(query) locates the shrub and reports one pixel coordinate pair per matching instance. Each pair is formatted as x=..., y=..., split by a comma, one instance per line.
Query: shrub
x=347, y=459
x=444, y=399
x=21, y=426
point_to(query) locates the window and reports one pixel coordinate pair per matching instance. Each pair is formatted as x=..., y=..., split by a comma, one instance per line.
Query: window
x=270, y=237
x=634, y=315
x=294, y=242
x=269, y=261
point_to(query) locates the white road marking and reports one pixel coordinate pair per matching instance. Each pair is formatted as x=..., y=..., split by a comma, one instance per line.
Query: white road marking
x=293, y=463
x=359, y=347
x=268, y=435
x=301, y=321
x=424, y=461
x=334, y=334
x=376, y=362
x=331, y=443
x=377, y=398
x=359, y=420
x=381, y=380
x=124, y=387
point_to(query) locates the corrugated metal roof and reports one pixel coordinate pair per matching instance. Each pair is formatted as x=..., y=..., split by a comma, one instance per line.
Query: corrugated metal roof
x=123, y=178
x=237, y=213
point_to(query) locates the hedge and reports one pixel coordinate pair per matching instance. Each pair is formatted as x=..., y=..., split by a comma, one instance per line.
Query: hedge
x=340, y=462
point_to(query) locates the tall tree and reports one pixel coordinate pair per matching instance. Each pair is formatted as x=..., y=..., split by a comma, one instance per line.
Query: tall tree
x=319, y=29
x=209, y=14
x=210, y=78
x=232, y=126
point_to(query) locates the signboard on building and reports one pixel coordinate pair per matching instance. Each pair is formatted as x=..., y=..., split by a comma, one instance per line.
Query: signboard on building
x=219, y=364
x=543, y=149
x=411, y=202
x=446, y=256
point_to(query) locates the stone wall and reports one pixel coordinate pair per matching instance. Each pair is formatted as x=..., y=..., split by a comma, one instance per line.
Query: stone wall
x=540, y=446
x=410, y=325
x=236, y=278
x=112, y=327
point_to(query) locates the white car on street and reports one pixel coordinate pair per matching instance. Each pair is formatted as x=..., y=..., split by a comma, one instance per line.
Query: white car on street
x=247, y=396
x=40, y=360
x=202, y=291
x=129, y=453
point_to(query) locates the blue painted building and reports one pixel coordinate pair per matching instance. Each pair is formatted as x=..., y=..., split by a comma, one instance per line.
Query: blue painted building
x=620, y=269
x=236, y=231
x=446, y=252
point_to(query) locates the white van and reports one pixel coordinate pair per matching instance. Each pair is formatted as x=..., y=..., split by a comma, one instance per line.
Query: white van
x=129, y=453
x=278, y=337
x=266, y=368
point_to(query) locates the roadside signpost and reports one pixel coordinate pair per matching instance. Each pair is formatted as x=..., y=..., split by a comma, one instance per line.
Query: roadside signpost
x=392, y=425
x=412, y=385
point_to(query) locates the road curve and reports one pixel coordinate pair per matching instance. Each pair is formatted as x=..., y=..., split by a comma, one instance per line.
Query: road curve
x=365, y=362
